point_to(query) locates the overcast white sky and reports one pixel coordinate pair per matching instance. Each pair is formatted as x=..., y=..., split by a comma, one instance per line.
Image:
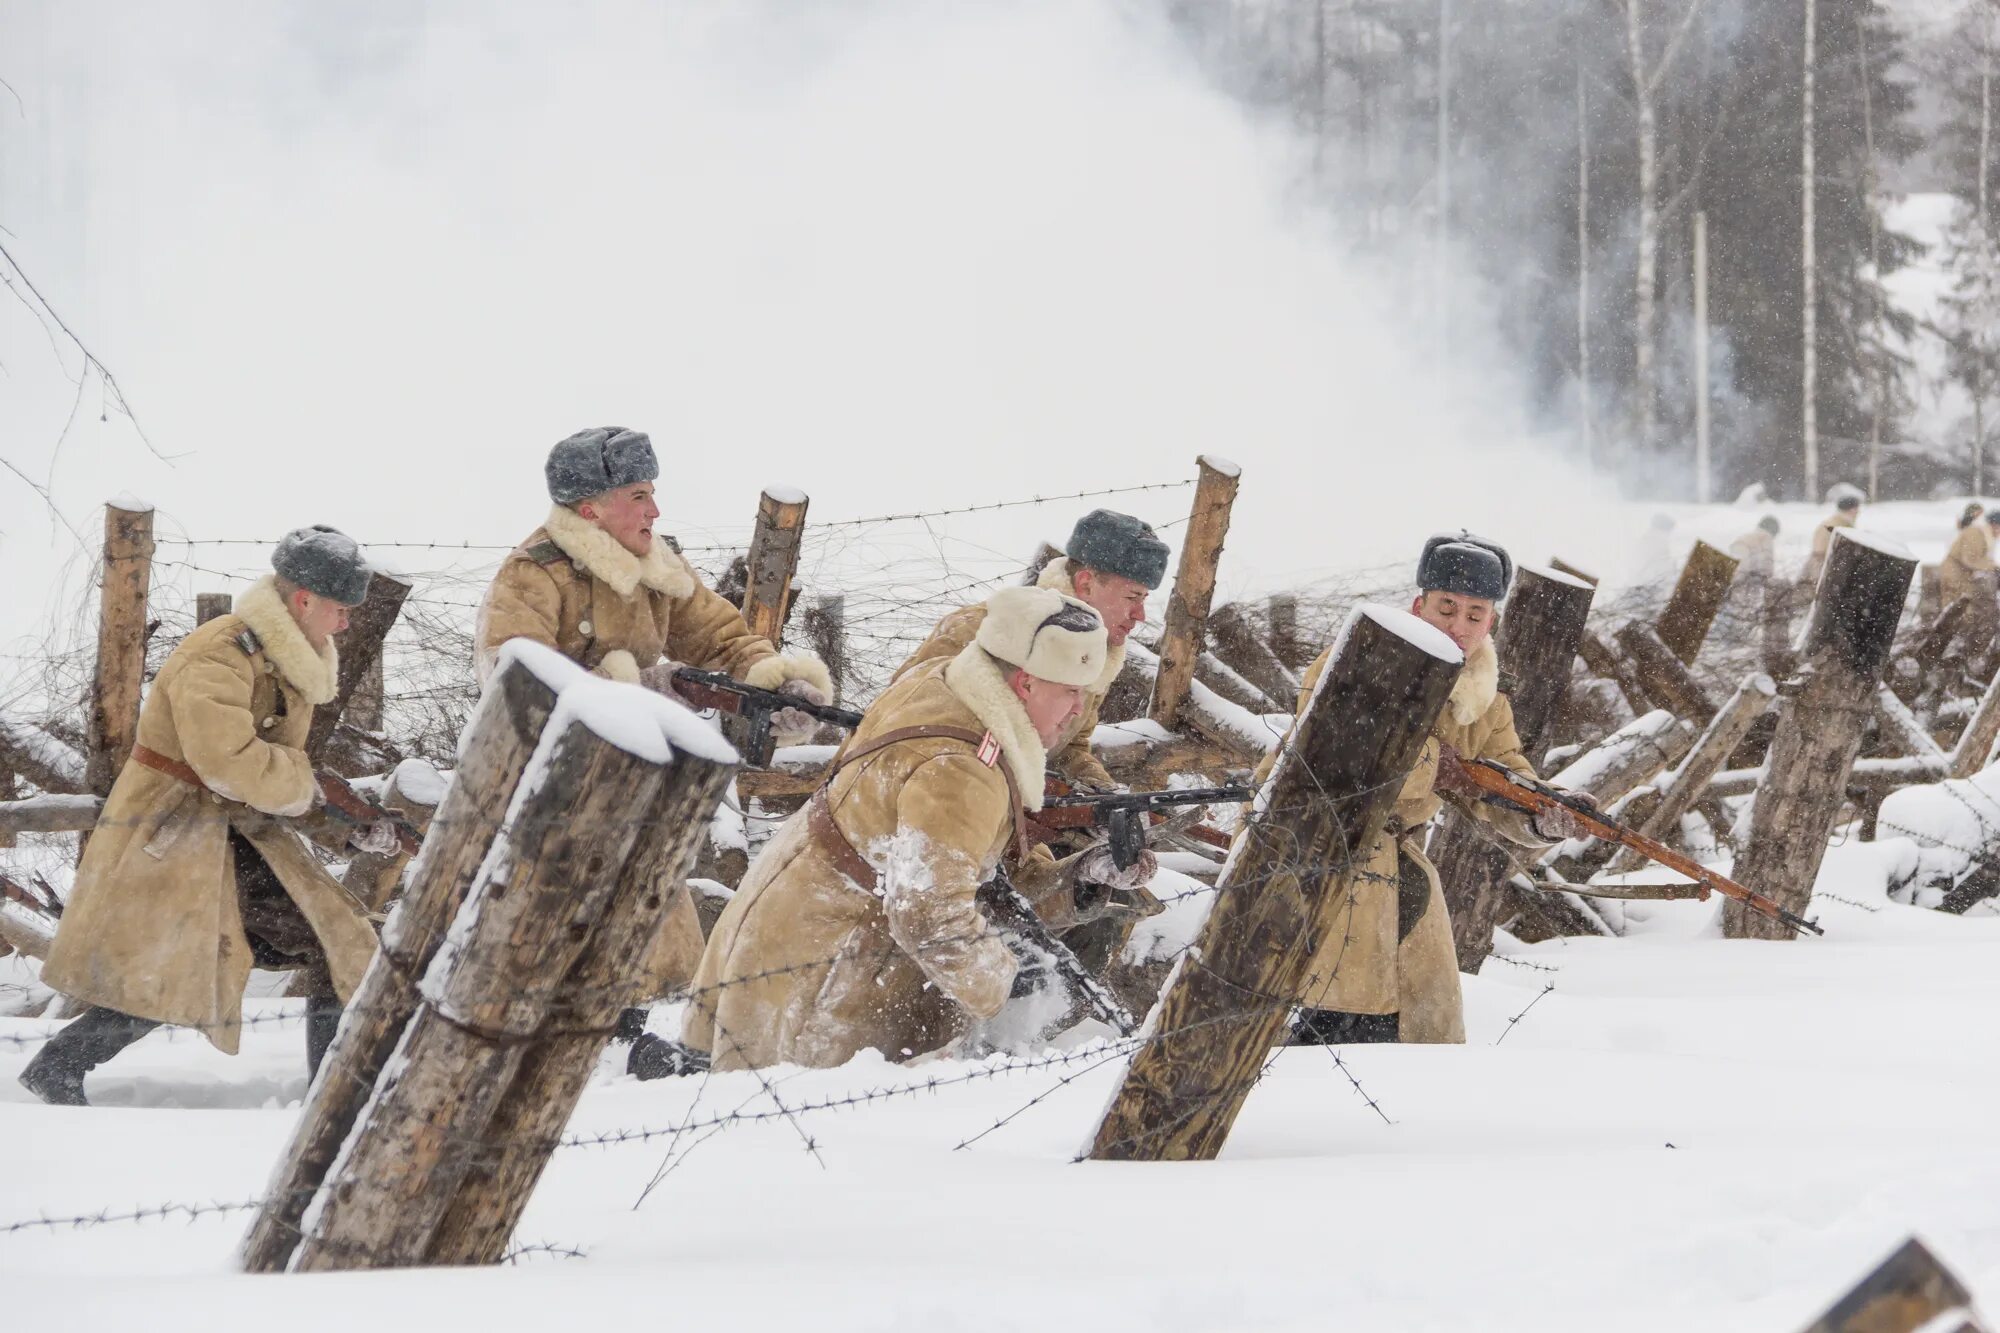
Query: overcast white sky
x=363, y=263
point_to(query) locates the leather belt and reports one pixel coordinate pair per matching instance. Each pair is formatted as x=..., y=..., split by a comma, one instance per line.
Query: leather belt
x=173, y=768
x=851, y=863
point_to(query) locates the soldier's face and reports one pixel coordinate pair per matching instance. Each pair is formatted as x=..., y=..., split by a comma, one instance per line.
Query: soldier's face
x=627, y=513
x=1050, y=707
x=1119, y=600
x=1467, y=621
x=319, y=618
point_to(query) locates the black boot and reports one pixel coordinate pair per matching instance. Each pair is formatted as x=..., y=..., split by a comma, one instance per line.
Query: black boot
x=1333, y=1027
x=56, y=1073
x=655, y=1057
x=322, y=1021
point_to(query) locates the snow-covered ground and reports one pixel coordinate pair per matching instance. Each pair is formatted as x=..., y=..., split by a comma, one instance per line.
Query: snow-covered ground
x=1678, y=1132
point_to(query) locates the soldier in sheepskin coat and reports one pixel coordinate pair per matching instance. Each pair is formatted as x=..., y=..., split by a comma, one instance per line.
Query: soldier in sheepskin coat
x=196, y=870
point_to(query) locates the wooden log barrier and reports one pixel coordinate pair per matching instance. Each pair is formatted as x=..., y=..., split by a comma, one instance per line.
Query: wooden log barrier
x=491, y=990
x=1908, y=1291
x=1330, y=792
x=121, y=641
x=1698, y=594
x=1976, y=744
x=824, y=625
x=774, y=560
x=1690, y=780
x=1235, y=641
x=1540, y=628
x=1901, y=726
x=1628, y=758
x=1846, y=645
x=612, y=973
x=360, y=650
x=1194, y=587
x=1603, y=662
x=209, y=605
x=502, y=733
x=1664, y=677
x=49, y=814
x=1281, y=610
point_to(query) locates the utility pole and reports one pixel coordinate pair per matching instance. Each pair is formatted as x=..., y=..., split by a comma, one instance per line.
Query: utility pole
x=1809, y=348
x=1701, y=459
x=1444, y=189
x=1583, y=262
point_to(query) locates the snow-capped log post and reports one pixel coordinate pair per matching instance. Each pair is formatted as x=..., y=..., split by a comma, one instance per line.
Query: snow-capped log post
x=497, y=984
x=209, y=605
x=1606, y=664
x=121, y=639
x=1689, y=781
x=1846, y=645
x=1194, y=587
x=1663, y=676
x=360, y=649
x=1976, y=745
x=614, y=971
x=1700, y=592
x=1909, y=1290
x=1539, y=632
x=774, y=559
x=1238, y=646
x=1329, y=794
x=502, y=733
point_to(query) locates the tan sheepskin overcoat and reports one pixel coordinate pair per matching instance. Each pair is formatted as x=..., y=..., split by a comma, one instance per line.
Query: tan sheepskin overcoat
x=1362, y=967
x=152, y=926
x=1967, y=568
x=572, y=587
x=1071, y=757
x=807, y=967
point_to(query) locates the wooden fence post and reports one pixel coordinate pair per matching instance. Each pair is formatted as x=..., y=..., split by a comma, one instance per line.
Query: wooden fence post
x=824, y=625
x=121, y=641
x=774, y=559
x=612, y=973
x=1970, y=754
x=1045, y=555
x=1562, y=566
x=1909, y=1290
x=1847, y=644
x=1194, y=586
x=1704, y=761
x=1239, y=647
x=502, y=733
x=209, y=605
x=360, y=648
x=1776, y=647
x=1316, y=820
x=486, y=995
x=1282, y=610
x=1540, y=628
x=1664, y=678
x=1698, y=595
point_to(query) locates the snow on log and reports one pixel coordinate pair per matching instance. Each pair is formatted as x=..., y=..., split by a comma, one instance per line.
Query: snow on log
x=1689, y=782
x=1898, y=721
x=1332, y=788
x=1629, y=757
x=50, y=814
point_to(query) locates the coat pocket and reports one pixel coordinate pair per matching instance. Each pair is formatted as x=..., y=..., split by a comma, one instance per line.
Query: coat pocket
x=176, y=818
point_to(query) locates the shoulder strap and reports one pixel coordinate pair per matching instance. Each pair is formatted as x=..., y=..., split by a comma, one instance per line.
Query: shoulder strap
x=545, y=553
x=973, y=738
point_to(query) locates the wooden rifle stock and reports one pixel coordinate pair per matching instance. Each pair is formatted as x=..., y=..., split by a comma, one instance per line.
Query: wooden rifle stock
x=1502, y=786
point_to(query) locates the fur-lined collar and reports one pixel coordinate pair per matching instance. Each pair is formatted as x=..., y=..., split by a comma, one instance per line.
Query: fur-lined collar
x=1057, y=575
x=601, y=555
x=976, y=678
x=1478, y=682
x=315, y=674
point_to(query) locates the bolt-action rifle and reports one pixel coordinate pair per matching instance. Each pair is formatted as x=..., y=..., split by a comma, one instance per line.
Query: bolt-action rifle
x=1484, y=780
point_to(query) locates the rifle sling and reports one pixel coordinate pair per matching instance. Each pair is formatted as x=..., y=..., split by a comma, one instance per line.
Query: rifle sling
x=851, y=863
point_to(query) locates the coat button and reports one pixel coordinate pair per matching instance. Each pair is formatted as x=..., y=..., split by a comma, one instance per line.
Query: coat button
x=268, y=723
x=214, y=798
x=584, y=629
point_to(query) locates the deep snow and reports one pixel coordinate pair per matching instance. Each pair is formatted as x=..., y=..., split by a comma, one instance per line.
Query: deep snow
x=1679, y=1131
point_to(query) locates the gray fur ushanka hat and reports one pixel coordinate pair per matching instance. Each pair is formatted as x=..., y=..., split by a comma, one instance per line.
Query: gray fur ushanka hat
x=325, y=562
x=597, y=460
x=1115, y=543
x=1458, y=562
